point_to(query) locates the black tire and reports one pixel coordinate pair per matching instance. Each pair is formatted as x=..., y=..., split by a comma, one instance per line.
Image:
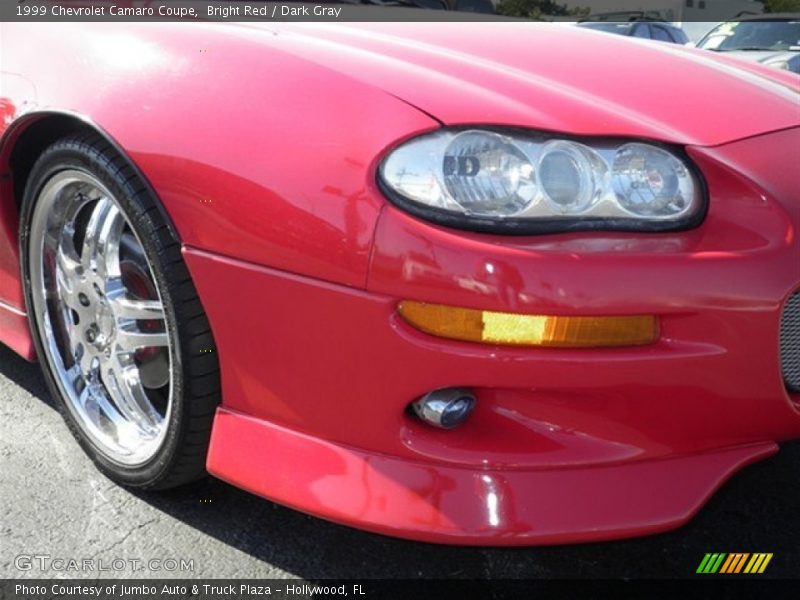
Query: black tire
x=196, y=381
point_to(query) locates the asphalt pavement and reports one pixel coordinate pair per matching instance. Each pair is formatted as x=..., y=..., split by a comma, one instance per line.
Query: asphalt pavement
x=54, y=503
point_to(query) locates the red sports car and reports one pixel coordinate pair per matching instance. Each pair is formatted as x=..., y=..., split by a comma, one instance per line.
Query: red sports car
x=489, y=283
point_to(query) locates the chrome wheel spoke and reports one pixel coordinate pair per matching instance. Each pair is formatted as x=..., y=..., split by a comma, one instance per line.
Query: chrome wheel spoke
x=122, y=375
x=100, y=253
x=74, y=341
x=125, y=307
x=68, y=270
x=128, y=341
x=85, y=359
x=105, y=417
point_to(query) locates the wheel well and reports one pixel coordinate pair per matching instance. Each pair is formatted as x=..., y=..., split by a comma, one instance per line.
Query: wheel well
x=45, y=129
x=35, y=138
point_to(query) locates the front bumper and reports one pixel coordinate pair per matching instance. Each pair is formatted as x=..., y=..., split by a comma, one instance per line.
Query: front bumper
x=565, y=445
x=472, y=506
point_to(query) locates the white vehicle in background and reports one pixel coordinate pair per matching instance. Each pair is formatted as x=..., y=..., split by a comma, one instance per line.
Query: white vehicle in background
x=770, y=39
x=680, y=12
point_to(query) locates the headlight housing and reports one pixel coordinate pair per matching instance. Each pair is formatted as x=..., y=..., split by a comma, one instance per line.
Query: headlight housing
x=520, y=182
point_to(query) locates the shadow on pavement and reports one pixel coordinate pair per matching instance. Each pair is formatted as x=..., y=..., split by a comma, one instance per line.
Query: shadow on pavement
x=26, y=375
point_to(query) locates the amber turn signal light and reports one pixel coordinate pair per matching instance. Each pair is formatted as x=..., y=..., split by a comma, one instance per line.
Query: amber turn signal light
x=490, y=327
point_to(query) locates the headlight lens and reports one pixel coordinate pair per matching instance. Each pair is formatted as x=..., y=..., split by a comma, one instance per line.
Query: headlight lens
x=526, y=183
x=571, y=177
x=487, y=174
x=650, y=182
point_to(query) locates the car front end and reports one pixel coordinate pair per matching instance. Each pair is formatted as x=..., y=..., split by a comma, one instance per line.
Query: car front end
x=564, y=444
x=518, y=369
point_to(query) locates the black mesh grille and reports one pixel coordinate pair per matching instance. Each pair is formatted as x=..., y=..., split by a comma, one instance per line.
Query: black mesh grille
x=790, y=343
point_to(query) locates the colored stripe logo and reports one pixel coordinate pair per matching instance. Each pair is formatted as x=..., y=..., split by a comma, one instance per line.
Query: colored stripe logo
x=734, y=562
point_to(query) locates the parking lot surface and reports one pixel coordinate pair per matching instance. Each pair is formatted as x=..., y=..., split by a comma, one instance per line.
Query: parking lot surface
x=55, y=503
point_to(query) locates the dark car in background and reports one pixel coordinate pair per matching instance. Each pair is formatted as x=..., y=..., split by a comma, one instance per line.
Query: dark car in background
x=772, y=40
x=650, y=30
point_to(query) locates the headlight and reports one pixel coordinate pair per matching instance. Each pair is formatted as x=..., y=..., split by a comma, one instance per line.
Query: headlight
x=526, y=183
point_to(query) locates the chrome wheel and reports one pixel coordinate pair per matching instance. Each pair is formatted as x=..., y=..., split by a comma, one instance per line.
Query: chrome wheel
x=101, y=318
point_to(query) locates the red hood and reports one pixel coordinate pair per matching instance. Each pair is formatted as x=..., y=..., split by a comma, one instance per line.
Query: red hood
x=552, y=77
